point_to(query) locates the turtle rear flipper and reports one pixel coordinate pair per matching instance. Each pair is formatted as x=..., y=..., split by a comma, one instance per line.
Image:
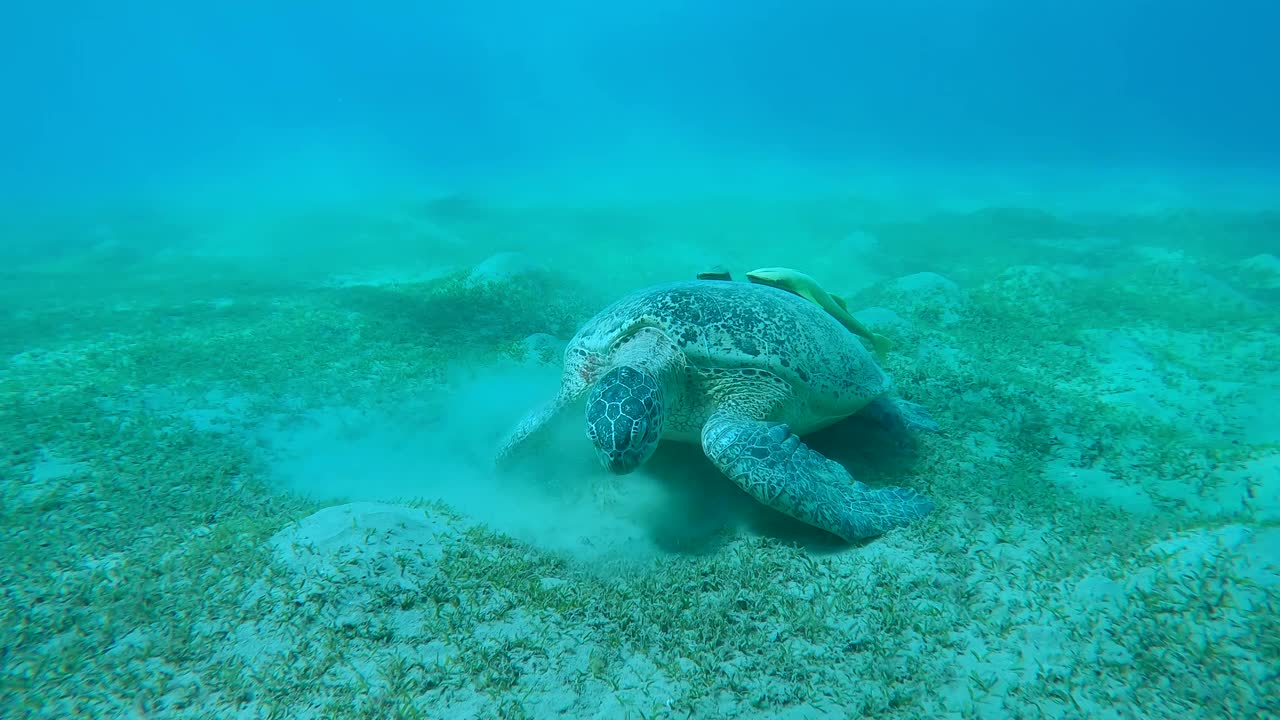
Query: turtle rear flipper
x=900, y=417
x=776, y=468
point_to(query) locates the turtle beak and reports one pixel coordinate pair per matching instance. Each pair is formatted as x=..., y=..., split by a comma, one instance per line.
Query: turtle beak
x=619, y=463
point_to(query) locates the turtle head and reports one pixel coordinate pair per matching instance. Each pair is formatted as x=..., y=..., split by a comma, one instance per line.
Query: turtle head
x=624, y=417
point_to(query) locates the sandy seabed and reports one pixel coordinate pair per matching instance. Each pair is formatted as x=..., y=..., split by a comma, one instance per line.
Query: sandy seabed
x=246, y=471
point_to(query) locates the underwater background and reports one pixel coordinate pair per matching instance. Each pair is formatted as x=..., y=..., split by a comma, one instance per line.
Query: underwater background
x=276, y=279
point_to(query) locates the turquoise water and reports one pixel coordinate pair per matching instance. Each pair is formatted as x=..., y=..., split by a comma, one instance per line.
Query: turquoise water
x=276, y=282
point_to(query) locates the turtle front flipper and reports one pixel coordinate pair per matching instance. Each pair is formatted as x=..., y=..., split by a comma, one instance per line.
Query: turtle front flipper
x=775, y=467
x=574, y=381
x=529, y=426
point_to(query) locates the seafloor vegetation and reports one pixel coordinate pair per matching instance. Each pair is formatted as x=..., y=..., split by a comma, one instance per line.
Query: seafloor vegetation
x=1108, y=477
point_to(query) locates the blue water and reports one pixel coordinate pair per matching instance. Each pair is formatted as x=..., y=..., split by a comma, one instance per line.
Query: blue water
x=278, y=278
x=138, y=95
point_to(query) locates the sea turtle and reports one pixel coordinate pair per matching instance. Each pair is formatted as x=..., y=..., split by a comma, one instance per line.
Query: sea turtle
x=744, y=369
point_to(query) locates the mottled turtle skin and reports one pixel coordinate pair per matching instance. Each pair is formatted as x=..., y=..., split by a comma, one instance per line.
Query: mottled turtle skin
x=744, y=370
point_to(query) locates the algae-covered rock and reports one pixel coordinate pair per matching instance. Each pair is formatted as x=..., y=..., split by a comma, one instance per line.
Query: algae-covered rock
x=1263, y=271
x=927, y=295
x=504, y=267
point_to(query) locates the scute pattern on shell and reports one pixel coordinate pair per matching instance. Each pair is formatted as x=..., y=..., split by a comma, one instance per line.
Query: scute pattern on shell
x=747, y=328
